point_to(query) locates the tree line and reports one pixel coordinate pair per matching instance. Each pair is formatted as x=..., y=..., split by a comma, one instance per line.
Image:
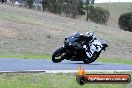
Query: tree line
x=69, y=8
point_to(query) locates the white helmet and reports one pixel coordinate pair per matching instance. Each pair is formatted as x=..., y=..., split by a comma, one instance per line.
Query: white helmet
x=90, y=35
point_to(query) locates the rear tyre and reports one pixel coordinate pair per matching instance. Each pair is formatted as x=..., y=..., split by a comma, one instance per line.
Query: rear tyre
x=87, y=61
x=92, y=59
x=57, y=55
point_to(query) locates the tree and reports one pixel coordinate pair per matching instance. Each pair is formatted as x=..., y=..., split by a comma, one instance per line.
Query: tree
x=44, y=4
x=3, y=1
x=75, y=5
x=92, y=2
x=81, y=8
x=87, y=8
x=30, y=3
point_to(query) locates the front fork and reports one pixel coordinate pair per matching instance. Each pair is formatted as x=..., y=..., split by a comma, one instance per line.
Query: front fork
x=65, y=54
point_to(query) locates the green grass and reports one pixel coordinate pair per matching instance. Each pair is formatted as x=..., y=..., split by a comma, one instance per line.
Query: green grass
x=43, y=80
x=114, y=60
x=27, y=56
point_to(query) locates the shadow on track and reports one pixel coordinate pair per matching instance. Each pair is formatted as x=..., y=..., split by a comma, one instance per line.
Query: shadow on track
x=77, y=63
x=85, y=64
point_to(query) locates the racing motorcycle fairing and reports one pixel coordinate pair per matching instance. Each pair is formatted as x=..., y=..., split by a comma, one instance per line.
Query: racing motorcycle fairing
x=73, y=41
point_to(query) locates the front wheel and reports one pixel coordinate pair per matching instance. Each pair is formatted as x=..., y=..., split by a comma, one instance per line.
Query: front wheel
x=57, y=55
x=92, y=59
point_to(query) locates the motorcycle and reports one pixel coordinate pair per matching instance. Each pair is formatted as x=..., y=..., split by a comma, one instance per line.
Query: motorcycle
x=74, y=50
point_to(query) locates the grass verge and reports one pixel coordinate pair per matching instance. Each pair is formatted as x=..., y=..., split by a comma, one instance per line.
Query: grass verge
x=43, y=80
x=46, y=56
x=114, y=60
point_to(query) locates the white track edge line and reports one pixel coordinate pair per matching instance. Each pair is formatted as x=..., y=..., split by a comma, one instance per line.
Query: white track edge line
x=63, y=71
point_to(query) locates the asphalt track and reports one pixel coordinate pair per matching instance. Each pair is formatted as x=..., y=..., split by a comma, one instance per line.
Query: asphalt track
x=15, y=65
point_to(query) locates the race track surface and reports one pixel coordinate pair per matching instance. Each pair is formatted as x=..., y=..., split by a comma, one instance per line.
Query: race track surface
x=30, y=64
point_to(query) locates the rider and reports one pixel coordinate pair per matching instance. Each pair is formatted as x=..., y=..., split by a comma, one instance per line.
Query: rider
x=86, y=39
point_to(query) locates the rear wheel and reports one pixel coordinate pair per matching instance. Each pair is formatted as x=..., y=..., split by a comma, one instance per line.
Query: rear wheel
x=92, y=59
x=57, y=55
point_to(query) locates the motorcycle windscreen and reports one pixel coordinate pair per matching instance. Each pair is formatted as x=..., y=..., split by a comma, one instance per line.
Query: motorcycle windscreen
x=73, y=40
x=73, y=37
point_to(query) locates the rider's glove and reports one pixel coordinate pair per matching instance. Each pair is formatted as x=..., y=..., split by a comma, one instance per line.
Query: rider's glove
x=85, y=47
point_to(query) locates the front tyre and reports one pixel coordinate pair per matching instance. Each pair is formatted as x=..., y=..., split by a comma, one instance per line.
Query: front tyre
x=57, y=55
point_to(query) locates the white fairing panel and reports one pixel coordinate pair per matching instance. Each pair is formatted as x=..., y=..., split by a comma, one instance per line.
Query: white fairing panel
x=95, y=46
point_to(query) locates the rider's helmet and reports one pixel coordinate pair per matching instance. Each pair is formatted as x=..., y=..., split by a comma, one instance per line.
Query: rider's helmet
x=90, y=35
